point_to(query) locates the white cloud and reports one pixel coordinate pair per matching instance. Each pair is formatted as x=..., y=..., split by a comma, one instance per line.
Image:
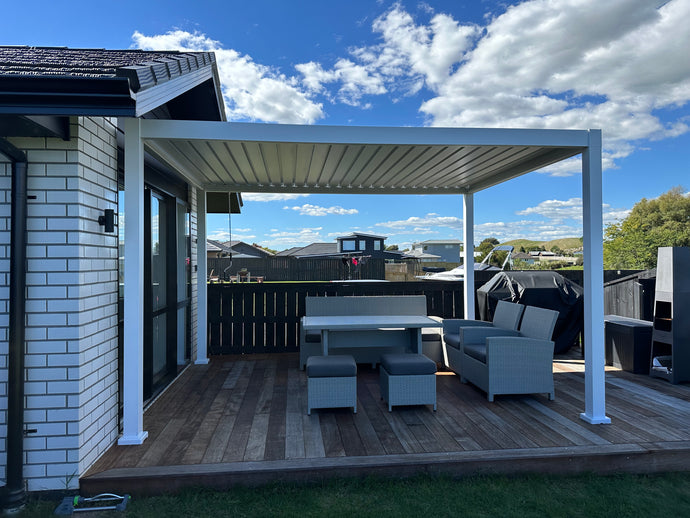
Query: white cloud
x=315, y=210
x=251, y=91
x=575, y=64
x=237, y=235
x=261, y=196
x=422, y=224
x=281, y=239
x=582, y=64
x=560, y=210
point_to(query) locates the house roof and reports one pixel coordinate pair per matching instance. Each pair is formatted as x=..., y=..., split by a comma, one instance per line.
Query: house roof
x=418, y=253
x=362, y=234
x=62, y=81
x=313, y=249
x=440, y=242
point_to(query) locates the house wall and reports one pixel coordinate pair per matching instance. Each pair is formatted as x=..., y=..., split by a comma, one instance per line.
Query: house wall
x=447, y=252
x=72, y=288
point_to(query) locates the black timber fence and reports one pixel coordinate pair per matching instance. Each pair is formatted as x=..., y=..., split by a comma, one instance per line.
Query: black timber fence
x=254, y=318
x=631, y=295
x=280, y=268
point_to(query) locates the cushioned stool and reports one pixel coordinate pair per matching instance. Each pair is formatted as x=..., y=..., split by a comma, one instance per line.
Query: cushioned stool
x=331, y=382
x=407, y=379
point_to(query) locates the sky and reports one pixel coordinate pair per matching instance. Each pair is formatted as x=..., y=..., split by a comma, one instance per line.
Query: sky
x=622, y=66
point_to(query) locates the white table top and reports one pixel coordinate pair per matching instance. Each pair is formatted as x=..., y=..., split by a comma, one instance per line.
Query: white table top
x=355, y=322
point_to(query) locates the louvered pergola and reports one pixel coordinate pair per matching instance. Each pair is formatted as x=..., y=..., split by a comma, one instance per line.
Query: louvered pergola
x=248, y=157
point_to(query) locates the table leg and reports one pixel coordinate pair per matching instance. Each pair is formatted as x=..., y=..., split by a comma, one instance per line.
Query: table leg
x=324, y=341
x=418, y=336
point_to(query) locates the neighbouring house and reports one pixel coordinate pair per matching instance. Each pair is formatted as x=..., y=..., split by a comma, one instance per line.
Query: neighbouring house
x=525, y=258
x=422, y=256
x=235, y=249
x=356, y=243
x=66, y=196
x=448, y=250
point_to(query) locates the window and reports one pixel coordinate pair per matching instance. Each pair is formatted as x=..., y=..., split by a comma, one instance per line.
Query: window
x=377, y=244
x=362, y=244
x=348, y=245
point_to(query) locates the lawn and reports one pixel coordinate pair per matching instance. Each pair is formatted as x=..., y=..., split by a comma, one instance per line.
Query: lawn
x=426, y=496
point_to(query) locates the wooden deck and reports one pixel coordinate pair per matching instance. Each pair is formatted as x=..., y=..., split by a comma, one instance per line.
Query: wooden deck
x=243, y=420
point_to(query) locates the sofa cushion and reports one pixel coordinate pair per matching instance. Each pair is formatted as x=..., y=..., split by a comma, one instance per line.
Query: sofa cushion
x=407, y=364
x=476, y=351
x=333, y=366
x=452, y=339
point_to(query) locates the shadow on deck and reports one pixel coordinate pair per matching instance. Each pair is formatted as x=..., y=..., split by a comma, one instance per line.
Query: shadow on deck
x=243, y=420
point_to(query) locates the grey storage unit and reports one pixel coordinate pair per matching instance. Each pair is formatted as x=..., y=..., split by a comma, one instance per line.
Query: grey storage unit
x=628, y=343
x=670, y=355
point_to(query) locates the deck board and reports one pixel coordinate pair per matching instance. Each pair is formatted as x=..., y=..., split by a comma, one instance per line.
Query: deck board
x=243, y=418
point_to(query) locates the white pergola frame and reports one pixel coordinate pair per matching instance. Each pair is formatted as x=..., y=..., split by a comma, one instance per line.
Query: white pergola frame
x=160, y=137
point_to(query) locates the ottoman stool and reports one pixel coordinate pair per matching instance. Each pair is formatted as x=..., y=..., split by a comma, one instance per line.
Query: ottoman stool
x=331, y=382
x=407, y=379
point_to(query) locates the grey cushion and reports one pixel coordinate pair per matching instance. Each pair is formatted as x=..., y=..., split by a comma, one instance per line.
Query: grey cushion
x=334, y=366
x=476, y=351
x=406, y=364
x=312, y=337
x=452, y=339
x=431, y=337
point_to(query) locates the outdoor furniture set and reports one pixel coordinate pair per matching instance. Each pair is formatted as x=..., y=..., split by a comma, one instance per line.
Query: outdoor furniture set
x=513, y=354
x=385, y=330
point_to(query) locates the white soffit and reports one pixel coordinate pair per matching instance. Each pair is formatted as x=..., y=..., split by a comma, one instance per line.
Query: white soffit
x=250, y=157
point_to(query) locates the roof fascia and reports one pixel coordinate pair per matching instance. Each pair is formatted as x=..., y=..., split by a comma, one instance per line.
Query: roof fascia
x=151, y=98
x=66, y=96
x=293, y=133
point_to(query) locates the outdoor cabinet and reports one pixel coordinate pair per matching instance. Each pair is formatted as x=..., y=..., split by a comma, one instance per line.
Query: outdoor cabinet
x=670, y=355
x=628, y=343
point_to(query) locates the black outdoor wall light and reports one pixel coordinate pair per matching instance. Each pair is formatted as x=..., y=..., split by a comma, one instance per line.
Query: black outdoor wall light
x=107, y=220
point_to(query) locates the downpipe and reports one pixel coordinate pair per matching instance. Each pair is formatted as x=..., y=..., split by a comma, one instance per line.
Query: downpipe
x=14, y=492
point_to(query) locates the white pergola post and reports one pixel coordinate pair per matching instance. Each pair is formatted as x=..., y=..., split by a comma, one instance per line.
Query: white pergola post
x=593, y=251
x=201, y=276
x=468, y=244
x=133, y=361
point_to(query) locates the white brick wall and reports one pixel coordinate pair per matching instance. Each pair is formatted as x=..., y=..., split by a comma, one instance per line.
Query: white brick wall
x=71, y=394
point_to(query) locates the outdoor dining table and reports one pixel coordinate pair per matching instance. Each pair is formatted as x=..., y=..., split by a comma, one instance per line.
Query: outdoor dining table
x=343, y=323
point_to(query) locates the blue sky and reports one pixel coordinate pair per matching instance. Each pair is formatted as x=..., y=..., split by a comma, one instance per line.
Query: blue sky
x=620, y=65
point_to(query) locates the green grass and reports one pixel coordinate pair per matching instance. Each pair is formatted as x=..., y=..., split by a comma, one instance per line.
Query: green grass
x=587, y=496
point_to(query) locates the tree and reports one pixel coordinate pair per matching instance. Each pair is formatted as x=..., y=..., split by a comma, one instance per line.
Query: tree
x=392, y=247
x=633, y=242
x=486, y=246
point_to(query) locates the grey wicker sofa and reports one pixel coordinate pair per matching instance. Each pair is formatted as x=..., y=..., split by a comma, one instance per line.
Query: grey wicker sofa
x=507, y=316
x=501, y=361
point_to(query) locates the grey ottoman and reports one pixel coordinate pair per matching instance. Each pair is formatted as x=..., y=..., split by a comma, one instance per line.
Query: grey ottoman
x=331, y=382
x=407, y=379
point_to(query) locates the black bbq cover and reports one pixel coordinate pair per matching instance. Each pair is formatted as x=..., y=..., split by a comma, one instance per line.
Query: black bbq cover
x=544, y=289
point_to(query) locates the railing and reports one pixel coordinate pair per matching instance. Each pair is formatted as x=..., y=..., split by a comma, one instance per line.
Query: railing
x=254, y=318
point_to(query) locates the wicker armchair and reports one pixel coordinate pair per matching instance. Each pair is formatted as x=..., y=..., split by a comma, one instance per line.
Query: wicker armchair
x=507, y=317
x=505, y=362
